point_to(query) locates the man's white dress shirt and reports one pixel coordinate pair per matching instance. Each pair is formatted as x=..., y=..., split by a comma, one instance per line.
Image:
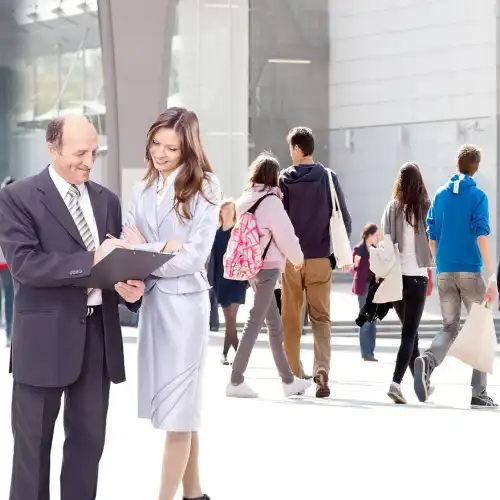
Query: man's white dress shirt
x=95, y=297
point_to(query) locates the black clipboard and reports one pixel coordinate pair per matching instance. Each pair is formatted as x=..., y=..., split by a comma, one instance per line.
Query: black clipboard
x=123, y=264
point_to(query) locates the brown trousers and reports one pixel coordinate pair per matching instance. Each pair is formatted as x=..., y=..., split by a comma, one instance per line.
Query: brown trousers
x=315, y=278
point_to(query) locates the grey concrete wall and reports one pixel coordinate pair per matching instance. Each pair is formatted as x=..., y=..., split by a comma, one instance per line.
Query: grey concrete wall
x=410, y=81
x=368, y=171
x=407, y=61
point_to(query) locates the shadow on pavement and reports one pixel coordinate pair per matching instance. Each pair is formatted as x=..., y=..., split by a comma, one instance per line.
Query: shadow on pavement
x=363, y=405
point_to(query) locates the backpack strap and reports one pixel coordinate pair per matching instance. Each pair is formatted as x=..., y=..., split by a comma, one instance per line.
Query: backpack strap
x=266, y=249
x=255, y=206
x=252, y=210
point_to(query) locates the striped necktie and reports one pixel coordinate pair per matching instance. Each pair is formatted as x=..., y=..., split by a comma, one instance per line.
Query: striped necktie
x=76, y=212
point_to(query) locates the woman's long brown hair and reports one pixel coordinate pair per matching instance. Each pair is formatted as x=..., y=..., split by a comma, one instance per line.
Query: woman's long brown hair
x=411, y=195
x=264, y=170
x=194, y=165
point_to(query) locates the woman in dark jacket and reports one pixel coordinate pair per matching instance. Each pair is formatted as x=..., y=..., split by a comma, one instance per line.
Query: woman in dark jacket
x=360, y=284
x=229, y=293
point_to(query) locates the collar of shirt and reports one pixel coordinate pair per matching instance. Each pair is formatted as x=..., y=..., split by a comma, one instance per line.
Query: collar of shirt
x=95, y=296
x=162, y=183
x=63, y=185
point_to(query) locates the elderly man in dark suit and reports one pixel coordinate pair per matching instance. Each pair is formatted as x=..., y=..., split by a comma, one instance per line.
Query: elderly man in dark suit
x=66, y=339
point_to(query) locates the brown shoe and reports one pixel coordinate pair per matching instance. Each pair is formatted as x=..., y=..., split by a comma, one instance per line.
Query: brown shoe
x=370, y=358
x=322, y=389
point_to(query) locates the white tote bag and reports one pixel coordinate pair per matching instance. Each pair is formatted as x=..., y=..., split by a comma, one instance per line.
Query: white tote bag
x=385, y=262
x=339, y=241
x=383, y=257
x=476, y=343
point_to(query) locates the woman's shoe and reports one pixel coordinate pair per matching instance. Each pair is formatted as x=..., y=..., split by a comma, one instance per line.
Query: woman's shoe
x=240, y=391
x=224, y=361
x=396, y=394
x=296, y=388
x=204, y=497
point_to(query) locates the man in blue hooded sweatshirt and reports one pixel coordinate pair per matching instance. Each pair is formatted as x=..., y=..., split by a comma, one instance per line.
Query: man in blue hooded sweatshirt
x=458, y=228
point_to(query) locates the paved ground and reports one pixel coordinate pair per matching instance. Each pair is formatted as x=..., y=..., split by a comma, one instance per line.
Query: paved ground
x=356, y=445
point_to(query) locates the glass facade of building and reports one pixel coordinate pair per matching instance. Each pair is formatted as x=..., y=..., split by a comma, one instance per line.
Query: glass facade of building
x=58, y=67
x=289, y=73
x=8, y=32
x=209, y=74
x=251, y=69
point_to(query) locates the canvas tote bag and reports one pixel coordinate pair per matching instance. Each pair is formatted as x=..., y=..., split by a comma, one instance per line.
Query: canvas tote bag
x=476, y=342
x=339, y=241
x=385, y=262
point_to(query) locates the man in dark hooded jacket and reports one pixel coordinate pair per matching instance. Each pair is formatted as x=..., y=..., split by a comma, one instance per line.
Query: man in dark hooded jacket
x=307, y=199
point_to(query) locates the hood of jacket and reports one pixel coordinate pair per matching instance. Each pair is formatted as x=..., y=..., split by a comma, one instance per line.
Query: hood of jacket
x=460, y=183
x=252, y=195
x=303, y=173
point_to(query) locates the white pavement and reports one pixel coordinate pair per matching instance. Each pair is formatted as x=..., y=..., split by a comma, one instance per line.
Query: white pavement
x=355, y=445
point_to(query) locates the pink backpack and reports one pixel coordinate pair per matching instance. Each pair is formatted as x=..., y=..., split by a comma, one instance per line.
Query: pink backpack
x=243, y=258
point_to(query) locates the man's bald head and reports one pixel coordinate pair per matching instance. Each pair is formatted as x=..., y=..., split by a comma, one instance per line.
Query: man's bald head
x=57, y=127
x=72, y=143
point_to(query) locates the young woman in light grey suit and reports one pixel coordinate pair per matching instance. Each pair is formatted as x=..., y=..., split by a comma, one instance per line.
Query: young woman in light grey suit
x=175, y=208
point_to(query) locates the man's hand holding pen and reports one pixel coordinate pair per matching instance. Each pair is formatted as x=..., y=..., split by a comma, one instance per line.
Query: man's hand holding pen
x=132, y=290
x=107, y=246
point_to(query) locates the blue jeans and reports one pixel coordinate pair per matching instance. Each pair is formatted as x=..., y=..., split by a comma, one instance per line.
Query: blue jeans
x=8, y=295
x=367, y=333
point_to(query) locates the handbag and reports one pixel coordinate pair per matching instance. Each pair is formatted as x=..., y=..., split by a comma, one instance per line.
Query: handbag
x=385, y=262
x=383, y=257
x=476, y=342
x=341, y=252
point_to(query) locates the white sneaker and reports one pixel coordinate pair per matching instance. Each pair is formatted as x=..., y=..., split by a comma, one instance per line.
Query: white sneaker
x=297, y=387
x=240, y=391
x=396, y=394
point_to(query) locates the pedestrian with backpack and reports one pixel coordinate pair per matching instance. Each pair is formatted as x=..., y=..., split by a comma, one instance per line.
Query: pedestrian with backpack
x=261, y=242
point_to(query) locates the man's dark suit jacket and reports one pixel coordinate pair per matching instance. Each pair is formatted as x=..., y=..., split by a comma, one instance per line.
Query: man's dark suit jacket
x=44, y=252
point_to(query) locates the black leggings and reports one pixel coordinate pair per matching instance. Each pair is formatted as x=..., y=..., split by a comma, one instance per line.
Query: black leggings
x=409, y=311
x=231, y=337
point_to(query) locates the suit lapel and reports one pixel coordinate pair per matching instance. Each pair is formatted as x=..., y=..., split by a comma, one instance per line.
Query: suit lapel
x=54, y=203
x=99, y=207
x=150, y=207
x=167, y=204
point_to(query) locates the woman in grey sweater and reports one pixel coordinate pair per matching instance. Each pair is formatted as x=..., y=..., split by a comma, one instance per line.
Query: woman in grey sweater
x=404, y=220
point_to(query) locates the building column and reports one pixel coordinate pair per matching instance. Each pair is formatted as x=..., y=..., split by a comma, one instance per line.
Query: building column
x=136, y=44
